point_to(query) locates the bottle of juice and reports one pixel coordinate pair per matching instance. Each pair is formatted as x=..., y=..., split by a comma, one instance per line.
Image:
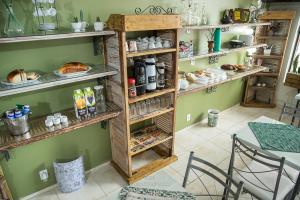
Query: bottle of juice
x=90, y=101
x=79, y=104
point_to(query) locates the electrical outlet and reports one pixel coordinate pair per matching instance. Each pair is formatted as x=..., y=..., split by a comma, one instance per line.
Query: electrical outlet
x=44, y=175
x=188, y=117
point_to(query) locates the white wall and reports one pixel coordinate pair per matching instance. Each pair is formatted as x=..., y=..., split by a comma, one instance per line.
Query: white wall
x=285, y=93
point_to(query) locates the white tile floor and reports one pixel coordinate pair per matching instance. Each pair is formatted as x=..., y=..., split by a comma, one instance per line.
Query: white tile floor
x=212, y=144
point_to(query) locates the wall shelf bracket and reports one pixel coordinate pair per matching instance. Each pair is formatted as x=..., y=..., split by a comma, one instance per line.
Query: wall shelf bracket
x=212, y=89
x=6, y=155
x=98, y=47
x=213, y=59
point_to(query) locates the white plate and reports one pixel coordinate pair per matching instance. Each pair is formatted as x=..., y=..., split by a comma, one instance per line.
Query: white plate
x=72, y=74
x=4, y=82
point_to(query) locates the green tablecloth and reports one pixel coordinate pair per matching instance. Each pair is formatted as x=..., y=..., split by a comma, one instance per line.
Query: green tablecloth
x=276, y=137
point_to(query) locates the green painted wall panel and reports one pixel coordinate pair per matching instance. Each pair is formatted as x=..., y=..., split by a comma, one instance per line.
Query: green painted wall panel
x=93, y=141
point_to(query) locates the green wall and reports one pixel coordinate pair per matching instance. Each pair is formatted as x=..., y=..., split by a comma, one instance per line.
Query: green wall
x=93, y=141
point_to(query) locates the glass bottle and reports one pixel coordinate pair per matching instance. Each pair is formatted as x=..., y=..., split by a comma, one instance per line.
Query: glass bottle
x=100, y=99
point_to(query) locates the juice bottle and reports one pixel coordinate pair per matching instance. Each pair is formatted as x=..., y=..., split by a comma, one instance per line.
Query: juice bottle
x=79, y=104
x=90, y=100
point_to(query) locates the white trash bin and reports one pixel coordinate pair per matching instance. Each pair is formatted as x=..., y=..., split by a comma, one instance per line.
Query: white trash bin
x=213, y=116
x=69, y=175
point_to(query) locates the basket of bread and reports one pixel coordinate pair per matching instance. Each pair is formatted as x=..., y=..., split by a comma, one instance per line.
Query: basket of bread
x=72, y=69
x=19, y=77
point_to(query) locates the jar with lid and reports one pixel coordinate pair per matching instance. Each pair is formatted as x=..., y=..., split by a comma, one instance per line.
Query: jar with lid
x=100, y=99
x=131, y=88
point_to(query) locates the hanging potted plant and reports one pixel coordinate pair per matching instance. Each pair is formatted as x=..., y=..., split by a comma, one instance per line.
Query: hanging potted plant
x=210, y=40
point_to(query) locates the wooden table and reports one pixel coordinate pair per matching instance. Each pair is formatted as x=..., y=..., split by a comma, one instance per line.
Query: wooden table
x=292, y=159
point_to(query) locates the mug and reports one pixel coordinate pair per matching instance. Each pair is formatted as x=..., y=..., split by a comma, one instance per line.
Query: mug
x=166, y=44
x=132, y=45
x=151, y=45
x=152, y=39
x=158, y=44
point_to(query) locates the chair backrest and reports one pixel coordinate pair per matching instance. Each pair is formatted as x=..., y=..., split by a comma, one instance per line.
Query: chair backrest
x=245, y=151
x=196, y=164
x=290, y=111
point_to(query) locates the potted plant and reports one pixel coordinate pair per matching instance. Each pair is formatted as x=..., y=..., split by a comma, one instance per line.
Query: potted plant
x=98, y=25
x=293, y=77
x=76, y=25
x=210, y=41
x=296, y=64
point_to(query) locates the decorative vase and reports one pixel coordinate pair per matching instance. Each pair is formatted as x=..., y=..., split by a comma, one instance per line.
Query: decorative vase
x=210, y=45
x=76, y=27
x=98, y=26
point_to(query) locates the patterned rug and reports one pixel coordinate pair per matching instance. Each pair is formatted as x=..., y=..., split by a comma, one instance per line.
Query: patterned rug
x=276, y=137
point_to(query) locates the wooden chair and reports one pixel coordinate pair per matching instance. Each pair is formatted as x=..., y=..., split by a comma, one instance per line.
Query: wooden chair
x=199, y=166
x=261, y=172
x=290, y=111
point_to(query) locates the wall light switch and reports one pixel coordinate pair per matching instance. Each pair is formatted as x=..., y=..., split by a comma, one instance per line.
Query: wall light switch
x=44, y=175
x=188, y=117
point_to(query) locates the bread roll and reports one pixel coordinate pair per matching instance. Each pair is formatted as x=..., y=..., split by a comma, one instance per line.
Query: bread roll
x=72, y=67
x=32, y=75
x=17, y=76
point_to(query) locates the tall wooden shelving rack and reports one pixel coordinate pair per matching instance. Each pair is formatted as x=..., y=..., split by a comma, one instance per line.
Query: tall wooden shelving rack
x=258, y=96
x=123, y=140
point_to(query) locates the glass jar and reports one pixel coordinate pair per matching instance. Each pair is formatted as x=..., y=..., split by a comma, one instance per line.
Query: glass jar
x=100, y=99
x=133, y=112
x=148, y=106
x=143, y=108
x=131, y=88
x=157, y=103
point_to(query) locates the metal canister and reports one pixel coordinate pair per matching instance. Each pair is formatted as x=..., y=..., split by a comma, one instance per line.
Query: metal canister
x=18, y=113
x=26, y=109
x=10, y=114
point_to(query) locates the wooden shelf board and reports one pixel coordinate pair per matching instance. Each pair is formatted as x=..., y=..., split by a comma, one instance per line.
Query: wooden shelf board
x=262, y=88
x=271, y=37
x=150, y=168
x=204, y=27
x=136, y=149
x=150, y=52
x=146, y=170
x=38, y=130
x=198, y=87
x=222, y=52
x=150, y=115
x=51, y=80
x=151, y=95
x=258, y=104
x=53, y=36
x=268, y=56
x=269, y=74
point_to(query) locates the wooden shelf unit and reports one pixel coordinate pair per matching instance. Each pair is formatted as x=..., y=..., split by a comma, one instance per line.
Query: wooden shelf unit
x=257, y=97
x=122, y=127
x=38, y=130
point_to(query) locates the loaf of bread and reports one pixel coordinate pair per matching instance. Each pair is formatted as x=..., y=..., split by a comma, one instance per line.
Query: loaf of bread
x=72, y=67
x=16, y=76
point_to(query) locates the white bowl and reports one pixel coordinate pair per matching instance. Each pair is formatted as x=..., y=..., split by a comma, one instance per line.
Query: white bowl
x=47, y=26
